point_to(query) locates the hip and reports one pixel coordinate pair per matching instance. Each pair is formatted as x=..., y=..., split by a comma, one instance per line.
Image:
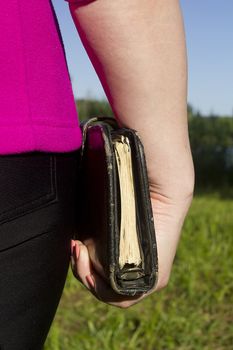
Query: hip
x=38, y=193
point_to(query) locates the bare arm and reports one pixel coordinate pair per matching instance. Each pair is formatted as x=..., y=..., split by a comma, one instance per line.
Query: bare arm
x=138, y=51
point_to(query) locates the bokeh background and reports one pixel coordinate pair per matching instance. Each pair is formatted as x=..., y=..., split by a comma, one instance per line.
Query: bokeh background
x=195, y=311
x=209, y=30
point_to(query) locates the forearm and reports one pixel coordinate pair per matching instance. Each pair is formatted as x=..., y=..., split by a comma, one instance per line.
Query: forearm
x=138, y=51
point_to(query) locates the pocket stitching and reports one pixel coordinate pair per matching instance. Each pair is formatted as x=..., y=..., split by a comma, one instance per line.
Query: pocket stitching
x=47, y=198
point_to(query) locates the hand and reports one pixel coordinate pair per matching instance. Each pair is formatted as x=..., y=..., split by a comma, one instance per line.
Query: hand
x=169, y=213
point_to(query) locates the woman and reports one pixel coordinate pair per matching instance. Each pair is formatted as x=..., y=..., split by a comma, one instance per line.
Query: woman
x=138, y=51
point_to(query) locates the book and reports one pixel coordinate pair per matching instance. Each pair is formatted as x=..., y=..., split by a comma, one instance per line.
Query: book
x=114, y=212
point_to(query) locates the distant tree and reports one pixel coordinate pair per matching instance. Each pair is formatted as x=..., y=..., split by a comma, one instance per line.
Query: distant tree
x=92, y=108
x=211, y=141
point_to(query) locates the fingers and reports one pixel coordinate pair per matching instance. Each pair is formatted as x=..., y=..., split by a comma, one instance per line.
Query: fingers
x=104, y=292
x=82, y=267
x=86, y=274
x=80, y=263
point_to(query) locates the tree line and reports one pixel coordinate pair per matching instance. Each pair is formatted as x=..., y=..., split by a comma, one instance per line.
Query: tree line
x=211, y=139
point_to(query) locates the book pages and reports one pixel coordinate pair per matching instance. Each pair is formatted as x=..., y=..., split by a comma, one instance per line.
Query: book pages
x=129, y=250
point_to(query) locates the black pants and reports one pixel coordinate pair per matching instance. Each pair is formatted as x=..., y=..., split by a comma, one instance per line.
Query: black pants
x=38, y=193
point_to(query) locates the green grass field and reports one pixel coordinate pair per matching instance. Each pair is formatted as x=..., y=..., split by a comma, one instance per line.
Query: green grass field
x=194, y=312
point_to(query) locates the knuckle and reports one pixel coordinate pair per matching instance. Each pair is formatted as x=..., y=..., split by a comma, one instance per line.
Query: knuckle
x=125, y=304
x=163, y=282
x=188, y=189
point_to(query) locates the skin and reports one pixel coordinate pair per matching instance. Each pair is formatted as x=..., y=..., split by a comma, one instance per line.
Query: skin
x=138, y=51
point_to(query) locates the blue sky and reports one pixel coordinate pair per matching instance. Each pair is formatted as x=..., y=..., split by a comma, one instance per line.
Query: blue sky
x=209, y=35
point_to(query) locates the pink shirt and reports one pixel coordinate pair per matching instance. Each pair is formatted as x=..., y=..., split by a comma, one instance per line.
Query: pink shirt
x=37, y=107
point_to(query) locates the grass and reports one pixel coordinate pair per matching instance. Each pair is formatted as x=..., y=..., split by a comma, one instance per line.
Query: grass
x=194, y=312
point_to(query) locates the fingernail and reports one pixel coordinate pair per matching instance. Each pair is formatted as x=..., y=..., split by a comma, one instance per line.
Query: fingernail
x=72, y=246
x=77, y=251
x=90, y=281
x=72, y=243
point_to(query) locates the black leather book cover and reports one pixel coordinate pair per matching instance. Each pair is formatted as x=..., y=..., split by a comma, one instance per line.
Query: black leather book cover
x=115, y=218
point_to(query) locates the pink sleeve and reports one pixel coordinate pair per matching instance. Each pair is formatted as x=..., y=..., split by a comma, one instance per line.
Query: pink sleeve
x=81, y=2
